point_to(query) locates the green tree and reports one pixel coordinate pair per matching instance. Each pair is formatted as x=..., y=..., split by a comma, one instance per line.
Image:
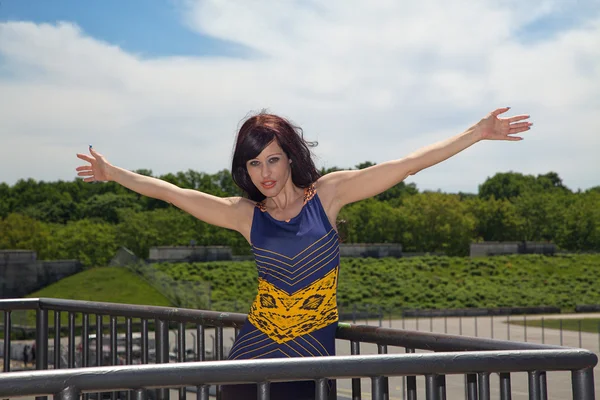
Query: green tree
x=364, y=165
x=579, y=229
x=510, y=185
x=369, y=221
x=93, y=243
x=496, y=220
x=4, y=200
x=138, y=231
x=507, y=185
x=542, y=214
x=107, y=206
x=59, y=209
x=436, y=222
x=21, y=232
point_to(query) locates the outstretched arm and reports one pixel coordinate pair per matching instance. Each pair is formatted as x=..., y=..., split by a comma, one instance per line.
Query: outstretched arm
x=232, y=212
x=346, y=187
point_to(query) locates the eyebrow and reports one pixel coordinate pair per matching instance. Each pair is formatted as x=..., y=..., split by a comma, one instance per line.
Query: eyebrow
x=270, y=155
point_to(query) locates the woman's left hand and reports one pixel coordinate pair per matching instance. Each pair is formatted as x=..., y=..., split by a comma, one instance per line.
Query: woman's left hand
x=493, y=128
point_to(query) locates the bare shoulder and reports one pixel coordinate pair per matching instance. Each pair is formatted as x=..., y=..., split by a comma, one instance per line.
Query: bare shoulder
x=326, y=187
x=244, y=211
x=242, y=203
x=244, y=208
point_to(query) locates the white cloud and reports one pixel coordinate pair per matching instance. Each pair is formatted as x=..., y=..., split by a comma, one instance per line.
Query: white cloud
x=370, y=82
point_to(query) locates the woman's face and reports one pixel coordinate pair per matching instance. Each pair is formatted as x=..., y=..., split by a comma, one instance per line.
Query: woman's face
x=270, y=170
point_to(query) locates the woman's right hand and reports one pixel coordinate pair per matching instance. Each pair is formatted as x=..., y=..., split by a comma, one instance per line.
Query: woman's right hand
x=98, y=167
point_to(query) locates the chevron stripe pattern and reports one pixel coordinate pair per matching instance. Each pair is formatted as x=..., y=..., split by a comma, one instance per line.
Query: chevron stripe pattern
x=296, y=295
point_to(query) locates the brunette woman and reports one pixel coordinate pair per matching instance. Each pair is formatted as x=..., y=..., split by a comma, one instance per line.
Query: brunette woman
x=289, y=217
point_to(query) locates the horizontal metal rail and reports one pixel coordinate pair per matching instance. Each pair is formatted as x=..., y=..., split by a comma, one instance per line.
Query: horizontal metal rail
x=466, y=356
x=430, y=341
x=212, y=318
x=53, y=382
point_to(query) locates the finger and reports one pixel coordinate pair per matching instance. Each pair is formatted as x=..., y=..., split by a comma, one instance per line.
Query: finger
x=92, y=179
x=514, y=138
x=517, y=130
x=85, y=173
x=95, y=153
x=517, y=118
x=520, y=125
x=84, y=168
x=85, y=157
x=499, y=111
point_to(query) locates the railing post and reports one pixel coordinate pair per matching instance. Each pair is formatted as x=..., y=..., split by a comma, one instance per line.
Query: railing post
x=383, y=349
x=441, y=385
x=484, y=385
x=139, y=394
x=7, y=321
x=583, y=384
x=264, y=391
x=41, y=342
x=162, y=352
x=411, y=382
x=57, y=331
x=355, y=350
x=505, y=391
x=68, y=393
x=431, y=392
x=322, y=389
x=543, y=386
x=71, y=360
x=471, y=386
x=377, y=388
x=534, y=385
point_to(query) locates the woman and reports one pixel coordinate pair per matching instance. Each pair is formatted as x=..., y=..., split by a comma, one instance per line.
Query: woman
x=289, y=219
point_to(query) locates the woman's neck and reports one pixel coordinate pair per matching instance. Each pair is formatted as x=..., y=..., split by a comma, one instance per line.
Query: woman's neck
x=288, y=197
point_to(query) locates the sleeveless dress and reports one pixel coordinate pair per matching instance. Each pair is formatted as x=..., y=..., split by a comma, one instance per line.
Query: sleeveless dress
x=295, y=311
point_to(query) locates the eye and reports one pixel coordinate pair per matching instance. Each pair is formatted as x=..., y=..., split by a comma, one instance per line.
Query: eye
x=253, y=163
x=273, y=160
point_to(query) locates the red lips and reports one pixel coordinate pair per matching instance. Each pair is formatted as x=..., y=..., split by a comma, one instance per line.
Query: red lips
x=268, y=184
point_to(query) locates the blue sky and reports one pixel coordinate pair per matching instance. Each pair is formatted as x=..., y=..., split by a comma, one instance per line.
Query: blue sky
x=131, y=25
x=163, y=85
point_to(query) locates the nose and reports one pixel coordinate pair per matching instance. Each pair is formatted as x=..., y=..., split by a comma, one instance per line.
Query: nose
x=265, y=171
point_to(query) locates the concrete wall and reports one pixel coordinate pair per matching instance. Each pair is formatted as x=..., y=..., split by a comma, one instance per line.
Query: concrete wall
x=123, y=257
x=224, y=253
x=20, y=276
x=499, y=248
x=189, y=253
x=17, y=257
x=371, y=250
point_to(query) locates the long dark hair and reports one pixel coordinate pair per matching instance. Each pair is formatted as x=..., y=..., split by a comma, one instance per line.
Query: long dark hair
x=255, y=134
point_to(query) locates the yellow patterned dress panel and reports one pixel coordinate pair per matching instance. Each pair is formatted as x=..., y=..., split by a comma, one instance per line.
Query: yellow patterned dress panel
x=284, y=317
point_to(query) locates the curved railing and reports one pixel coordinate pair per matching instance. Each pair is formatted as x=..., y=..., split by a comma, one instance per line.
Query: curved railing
x=88, y=356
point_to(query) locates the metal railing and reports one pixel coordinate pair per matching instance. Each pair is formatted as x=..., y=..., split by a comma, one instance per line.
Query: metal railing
x=68, y=384
x=476, y=358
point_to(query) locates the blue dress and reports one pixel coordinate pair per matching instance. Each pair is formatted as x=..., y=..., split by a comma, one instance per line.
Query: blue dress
x=295, y=311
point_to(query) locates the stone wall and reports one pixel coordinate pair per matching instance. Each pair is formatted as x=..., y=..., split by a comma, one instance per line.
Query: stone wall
x=501, y=248
x=371, y=250
x=21, y=273
x=17, y=257
x=224, y=253
x=189, y=253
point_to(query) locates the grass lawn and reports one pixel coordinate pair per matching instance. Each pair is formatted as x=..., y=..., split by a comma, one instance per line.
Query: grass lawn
x=587, y=324
x=106, y=284
x=110, y=284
